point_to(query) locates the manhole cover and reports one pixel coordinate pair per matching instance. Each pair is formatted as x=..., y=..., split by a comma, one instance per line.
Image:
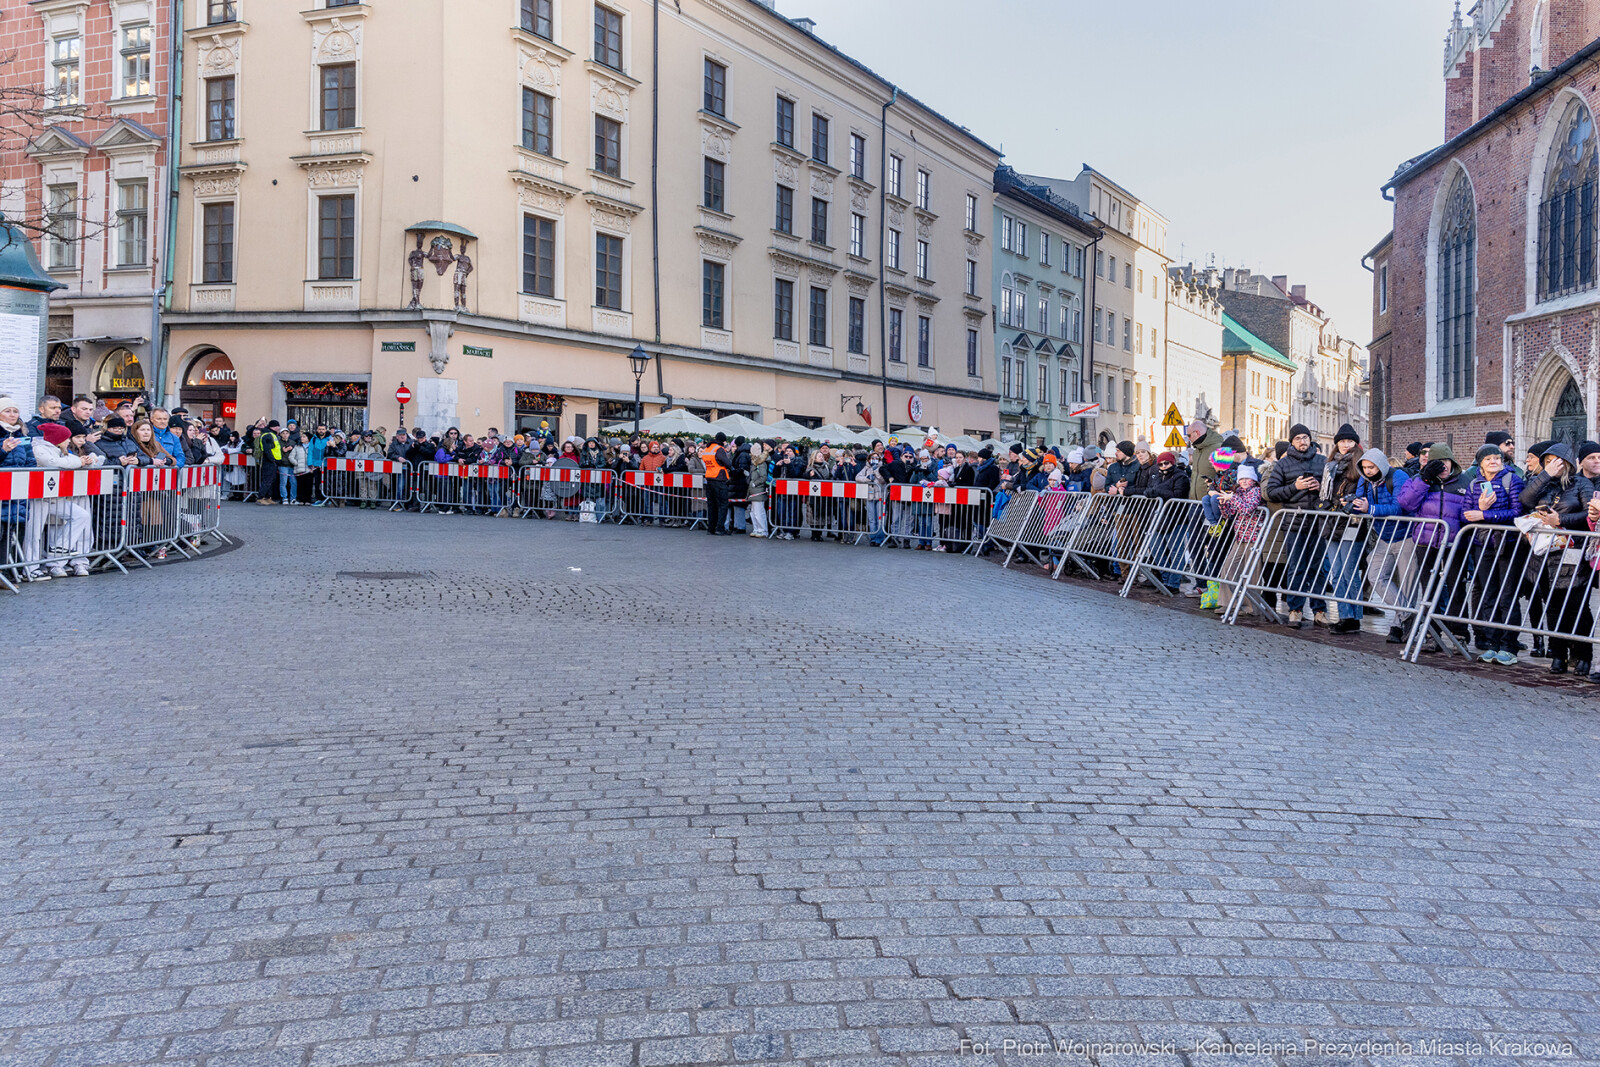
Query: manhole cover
x=384, y=576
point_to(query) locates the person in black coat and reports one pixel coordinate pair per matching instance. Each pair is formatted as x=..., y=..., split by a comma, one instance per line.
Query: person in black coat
x=1296, y=482
x=1559, y=496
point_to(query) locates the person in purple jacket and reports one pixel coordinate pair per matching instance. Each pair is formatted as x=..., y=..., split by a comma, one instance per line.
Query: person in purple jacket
x=1439, y=491
x=1499, y=557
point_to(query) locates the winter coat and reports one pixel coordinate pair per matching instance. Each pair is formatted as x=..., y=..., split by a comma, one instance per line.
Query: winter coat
x=1169, y=485
x=1507, y=487
x=1140, y=485
x=317, y=451
x=1119, y=471
x=173, y=444
x=1241, y=507
x=1380, y=496
x=987, y=476
x=297, y=459
x=1200, y=465
x=1446, y=501
x=756, y=478
x=1293, y=466
x=114, y=448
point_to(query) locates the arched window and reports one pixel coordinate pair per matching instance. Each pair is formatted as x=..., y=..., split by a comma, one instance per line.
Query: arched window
x=1567, y=215
x=1457, y=290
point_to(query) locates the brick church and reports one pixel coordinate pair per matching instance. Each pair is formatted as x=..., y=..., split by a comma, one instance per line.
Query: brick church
x=1486, y=303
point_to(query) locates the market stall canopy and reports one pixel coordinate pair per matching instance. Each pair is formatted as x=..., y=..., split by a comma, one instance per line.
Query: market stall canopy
x=737, y=425
x=672, y=421
x=835, y=434
x=790, y=430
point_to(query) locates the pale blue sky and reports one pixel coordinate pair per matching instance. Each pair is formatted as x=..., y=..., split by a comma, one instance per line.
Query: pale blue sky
x=1261, y=128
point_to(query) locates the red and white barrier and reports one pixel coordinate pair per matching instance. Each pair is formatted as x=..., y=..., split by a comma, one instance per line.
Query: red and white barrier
x=466, y=486
x=825, y=490
x=54, y=484
x=663, y=480
x=936, y=494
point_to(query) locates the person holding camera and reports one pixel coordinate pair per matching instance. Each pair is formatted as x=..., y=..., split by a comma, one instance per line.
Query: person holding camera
x=1296, y=482
x=1439, y=491
x=1342, y=562
x=1559, y=495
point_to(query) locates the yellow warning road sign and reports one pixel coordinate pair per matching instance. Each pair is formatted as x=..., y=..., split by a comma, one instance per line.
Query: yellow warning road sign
x=1173, y=418
x=1174, y=439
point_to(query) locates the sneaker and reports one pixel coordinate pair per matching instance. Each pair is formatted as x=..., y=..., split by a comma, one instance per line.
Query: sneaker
x=1506, y=659
x=58, y=571
x=1321, y=618
x=1397, y=634
x=36, y=575
x=1490, y=656
x=1295, y=619
x=80, y=570
x=1345, y=626
x=1195, y=592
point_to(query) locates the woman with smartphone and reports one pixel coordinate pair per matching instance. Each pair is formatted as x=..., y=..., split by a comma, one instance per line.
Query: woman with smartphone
x=1560, y=497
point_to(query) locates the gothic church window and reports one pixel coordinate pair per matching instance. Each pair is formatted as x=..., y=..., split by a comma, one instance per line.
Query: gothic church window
x=1457, y=291
x=1567, y=213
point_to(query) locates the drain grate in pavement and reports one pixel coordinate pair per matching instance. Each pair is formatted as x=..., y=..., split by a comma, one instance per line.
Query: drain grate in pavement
x=385, y=576
x=273, y=948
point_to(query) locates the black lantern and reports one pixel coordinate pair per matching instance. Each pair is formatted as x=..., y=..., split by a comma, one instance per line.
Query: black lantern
x=639, y=360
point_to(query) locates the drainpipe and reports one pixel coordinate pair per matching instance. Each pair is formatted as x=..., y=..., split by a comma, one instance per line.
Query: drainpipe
x=655, y=165
x=883, y=222
x=161, y=299
x=1088, y=337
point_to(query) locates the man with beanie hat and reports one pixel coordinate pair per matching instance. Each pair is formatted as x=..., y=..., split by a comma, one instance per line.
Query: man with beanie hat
x=1413, y=464
x=718, y=481
x=1124, y=470
x=114, y=444
x=1202, y=442
x=1296, y=482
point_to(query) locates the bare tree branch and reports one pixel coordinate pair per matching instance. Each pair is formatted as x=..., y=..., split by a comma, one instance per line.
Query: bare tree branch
x=28, y=108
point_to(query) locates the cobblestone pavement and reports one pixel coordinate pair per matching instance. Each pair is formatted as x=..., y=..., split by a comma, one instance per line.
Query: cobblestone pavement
x=582, y=795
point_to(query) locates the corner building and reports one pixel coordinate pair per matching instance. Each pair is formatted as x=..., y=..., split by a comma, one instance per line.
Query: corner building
x=1485, y=296
x=498, y=219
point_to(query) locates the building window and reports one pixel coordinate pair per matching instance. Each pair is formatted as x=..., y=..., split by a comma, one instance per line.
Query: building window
x=857, y=341
x=136, y=59
x=858, y=156
x=339, y=96
x=972, y=213
x=712, y=194
x=537, y=18
x=219, y=109
x=1005, y=377
x=1043, y=395
x=1567, y=214
x=1008, y=228
x=1127, y=275
x=858, y=235
x=1006, y=296
x=924, y=189
x=1020, y=380
x=896, y=324
x=784, y=131
x=1097, y=334
x=1044, y=316
x=607, y=146
x=538, y=122
x=538, y=256
x=63, y=225
x=1127, y=335
x=819, y=138
x=972, y=277
x=608, y=271
x=893, y=255
x=894, y=175
x=1138, y=399
x=1022, y=238
x=1383, y=289
x=922, y=260
x=1138, y=339
x=1153, y=350
x=924, y=341
x=1457, y=291
x=972, y=353
x=1069, y=396
x=1044, y=249
x=64, y=63
x=716, y=88
x=1127, y=390
x=1111, y=270
x=783, y=309
x=711, y=277
x=336, y=237
x=1063, y=325
x=819, y=221
x=133, y=223
x=220, y=11
x=607, y=37
x=783, y=212
x=817, y=333
x=1141, y=282
x=217, y=238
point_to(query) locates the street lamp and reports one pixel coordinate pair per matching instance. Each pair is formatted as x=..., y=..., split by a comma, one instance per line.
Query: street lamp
x=639, y=359
x=1027, y=426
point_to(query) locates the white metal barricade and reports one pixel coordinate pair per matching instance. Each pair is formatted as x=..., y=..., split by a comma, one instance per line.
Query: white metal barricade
x=1486, y=575
x=561, y=492
x=376, y=483
x=946, y=518
x=659, y=498
x=150, y=510
x=1342, y=562
x=53, y=519
x=850, y=511
x=1112, y=530
x=1183, y=543
x=199, y=506
x=241, y=475
x=465, y=487
x=1048, y=524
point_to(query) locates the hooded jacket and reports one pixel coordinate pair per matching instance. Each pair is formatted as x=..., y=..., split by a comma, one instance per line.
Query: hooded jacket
x=1445, y=500
x=1570, y=501
x=1507, y=487
x=173, y=444
x=114, y=448
x=1170, y=485
x=1380, y=494
x=1200, y=464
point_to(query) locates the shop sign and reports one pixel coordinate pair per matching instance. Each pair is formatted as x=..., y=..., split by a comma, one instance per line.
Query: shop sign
x=474, y=350
x=539, y=403
x=397, y=346
x=122, y=373
x=213, y=371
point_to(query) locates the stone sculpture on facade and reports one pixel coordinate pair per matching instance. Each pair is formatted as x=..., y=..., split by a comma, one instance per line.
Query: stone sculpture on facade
x=463, y=268
x=414, y=261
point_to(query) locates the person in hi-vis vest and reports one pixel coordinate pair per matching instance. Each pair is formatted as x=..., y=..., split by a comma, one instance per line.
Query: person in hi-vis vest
x=718, y=469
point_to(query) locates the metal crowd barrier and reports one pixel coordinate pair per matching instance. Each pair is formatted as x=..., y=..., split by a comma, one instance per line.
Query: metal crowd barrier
x=1501, y=583
x=1006, y=527
x=1053, y=517
x=949, y=518
x=379, y=483
x=1350, y=561
x=199, y=506
x=1112, y=530
x=1182, y=543
x=850, y=511
x=561, y=492
x=150, y=509
x=249, y=486
x=52, y=519
x=480, y=488
x=658, y=498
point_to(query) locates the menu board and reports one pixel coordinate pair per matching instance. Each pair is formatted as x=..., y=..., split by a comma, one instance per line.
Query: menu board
x=21, y=344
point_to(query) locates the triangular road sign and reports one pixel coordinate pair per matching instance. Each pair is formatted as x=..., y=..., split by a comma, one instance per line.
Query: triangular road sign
x=1174, y=439
x=1172, y=418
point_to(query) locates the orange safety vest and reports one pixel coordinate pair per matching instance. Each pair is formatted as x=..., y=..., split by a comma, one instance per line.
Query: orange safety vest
x=713, y=468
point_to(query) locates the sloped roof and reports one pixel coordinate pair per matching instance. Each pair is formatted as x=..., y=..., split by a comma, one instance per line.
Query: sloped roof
x=1235, y=338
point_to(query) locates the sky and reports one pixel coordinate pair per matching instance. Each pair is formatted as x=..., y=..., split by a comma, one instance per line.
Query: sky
x=1262, y=129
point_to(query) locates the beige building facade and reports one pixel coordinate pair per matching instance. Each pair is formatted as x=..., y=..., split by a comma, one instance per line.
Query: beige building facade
x=498, y=222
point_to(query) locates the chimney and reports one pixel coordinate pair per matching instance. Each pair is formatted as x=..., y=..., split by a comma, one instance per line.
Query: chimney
x=1298, y=294
x=1282, y=282
x=806, y=25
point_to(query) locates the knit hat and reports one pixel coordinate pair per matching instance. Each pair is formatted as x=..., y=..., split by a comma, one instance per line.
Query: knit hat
x=116, y=422
x=1347, y=433
x=924, y=454
x=1125, y=447
x=1225, y=457
x=1141, y=445
x=1494, y=450
x=1248, y=473
x=55, y=433
x=1440, y=450
x=1166, y=457
x=1030, y=458
x=985, y=452
x=1091, y=454
x=1281, y=449
x=1016, y=449
x=1054, y=477
x=1540, y=448
x=8, y=402
x=1496, y=438
x=1075, y=456
x=1232, y=441
x=1414, y=449
x=1587, y=448
x=945, y=474
x=1297, y=429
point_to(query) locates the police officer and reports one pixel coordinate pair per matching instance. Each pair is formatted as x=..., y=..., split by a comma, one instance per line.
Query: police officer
x=719, y=467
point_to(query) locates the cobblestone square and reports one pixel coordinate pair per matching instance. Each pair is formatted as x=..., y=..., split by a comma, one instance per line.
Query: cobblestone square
x=586, y=795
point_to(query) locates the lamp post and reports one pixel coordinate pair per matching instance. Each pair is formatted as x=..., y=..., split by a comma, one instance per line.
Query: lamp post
x=1027, y=427
x=639, y=360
